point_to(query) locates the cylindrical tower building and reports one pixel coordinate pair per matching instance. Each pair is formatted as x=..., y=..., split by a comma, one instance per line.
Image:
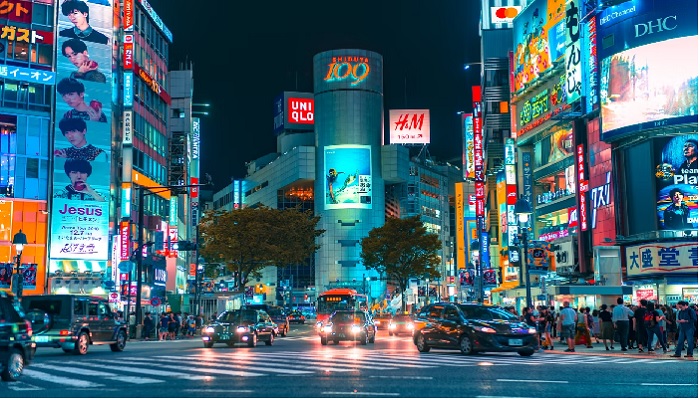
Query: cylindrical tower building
x=349, y=189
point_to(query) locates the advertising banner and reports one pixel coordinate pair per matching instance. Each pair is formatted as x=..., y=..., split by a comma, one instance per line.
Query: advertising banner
x=468, y=135
x=459, y=226
x=128, y=100
x=677, y=182
x=540, y=39
x=662, y=258
x=409, y=126
x=348, y=177
x=542, y=105
x=83, y=136
x=590, y=62
x=27, y=74
x=17, y=10
x=348, y=69
x=128, y=21
x=293, y=111
x=582, y=189
x=128, y=55
x=573, y=59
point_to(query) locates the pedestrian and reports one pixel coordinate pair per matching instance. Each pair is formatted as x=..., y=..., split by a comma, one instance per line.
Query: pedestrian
x=687, y=319
x=568, y=325
x=148, y=326
x=561, y=337
x=671, y=327
x=583, y=333
x=549, y=323
x=555, y=317
x=594, y=323
x=191, y=325
x=653, y=327
x=606, y=327
x=173, y=326
x=620, y=319
x=163, y=329
x=639, y=325
x=659, y=309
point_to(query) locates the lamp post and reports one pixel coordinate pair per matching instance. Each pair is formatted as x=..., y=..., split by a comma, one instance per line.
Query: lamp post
x=19, y=240
x=523, y=211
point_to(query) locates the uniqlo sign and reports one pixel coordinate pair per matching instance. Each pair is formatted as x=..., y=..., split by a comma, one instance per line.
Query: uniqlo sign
x=128, y=56
x=300, y=111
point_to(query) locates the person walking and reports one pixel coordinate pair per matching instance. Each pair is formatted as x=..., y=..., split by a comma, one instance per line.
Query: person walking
x=639, y=325
x=555, y=317
x=583, y=333
x=163, y=326
x=620, y=319
x=568, y=326
x=548, y=325
x=653, y=328
x=594, y=323
x=148, y=326
x=687, y=318
x=606, y=327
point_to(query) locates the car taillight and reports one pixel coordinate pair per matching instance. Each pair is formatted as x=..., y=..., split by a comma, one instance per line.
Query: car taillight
x=64, y=333
x=29, y=328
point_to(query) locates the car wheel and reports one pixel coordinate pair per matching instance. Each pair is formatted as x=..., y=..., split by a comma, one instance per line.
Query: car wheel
x=253, y=341
x=526, y=353
x=120, y=343
x=284, y=332
x=81, y=345
x=421, y=345
x=336, y=342
x=324, y=341
x=466, y=346
x=372, y=340
x=13, y=367
x=271, y=340
x=363, y=340
x=209, y=344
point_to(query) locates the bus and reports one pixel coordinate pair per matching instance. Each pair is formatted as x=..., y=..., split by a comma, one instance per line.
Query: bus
x=339, y=299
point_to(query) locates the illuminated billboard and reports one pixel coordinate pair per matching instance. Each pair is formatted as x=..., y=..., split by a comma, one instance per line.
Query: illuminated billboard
x=348, y=171
x=409, y=126
x=677, y=182
x=83, y=134
x=468, y=134
x=650, y=86
x=293, y=111
x=348, y=69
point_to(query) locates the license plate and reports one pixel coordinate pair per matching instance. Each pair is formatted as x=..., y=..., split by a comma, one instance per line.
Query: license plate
x=515, y=342
x=41, y=339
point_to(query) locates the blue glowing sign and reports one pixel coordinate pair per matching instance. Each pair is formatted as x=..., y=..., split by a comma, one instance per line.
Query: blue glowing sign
x=27, y=75
x=128, y=89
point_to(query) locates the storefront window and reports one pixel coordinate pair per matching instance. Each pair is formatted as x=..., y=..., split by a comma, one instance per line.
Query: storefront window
x=555, y=187
x=553, y=225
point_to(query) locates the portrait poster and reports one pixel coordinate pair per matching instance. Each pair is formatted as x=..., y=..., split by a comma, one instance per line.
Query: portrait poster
x=348, y=175
x=677, y=182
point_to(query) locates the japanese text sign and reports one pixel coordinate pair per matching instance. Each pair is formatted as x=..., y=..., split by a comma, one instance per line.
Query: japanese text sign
x=16, y=10
x=662, y=258
x=27, y=75
x=26, y=35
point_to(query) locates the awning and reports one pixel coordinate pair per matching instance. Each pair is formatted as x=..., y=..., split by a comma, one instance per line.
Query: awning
x=501, y=289
x=593, y=290
x=682, y=280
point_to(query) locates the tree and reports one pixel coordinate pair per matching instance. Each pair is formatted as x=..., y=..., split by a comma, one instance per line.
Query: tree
x=250, y=239
x=400, y=250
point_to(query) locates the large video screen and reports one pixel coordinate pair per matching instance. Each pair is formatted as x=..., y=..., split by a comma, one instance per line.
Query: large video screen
x=348, y=170
x=677, y=182
x=651, y=85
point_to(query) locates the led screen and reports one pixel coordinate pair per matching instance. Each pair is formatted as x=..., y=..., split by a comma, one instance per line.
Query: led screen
x=651, y=85
x=83, y=134
x=348, y=171
x=677, y=182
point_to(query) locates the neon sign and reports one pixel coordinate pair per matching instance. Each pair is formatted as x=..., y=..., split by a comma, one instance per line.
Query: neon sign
x=354, y=68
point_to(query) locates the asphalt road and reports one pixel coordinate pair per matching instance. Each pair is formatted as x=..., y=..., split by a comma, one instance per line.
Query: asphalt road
x=298, y=366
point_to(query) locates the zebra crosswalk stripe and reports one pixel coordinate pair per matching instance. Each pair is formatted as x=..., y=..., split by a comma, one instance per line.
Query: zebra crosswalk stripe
x=254, y=368
x=61, y=380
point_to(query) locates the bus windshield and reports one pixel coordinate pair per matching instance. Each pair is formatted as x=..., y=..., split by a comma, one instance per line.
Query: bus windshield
x=339, y=299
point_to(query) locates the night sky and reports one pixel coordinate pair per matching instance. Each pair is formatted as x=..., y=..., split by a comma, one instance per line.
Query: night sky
x=246, y=53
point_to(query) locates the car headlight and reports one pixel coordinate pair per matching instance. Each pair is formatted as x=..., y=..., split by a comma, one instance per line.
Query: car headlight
x=532, y=331
x=242, y=329
x=486, y=329
x=377, y=322
x=409, y=326
x=355, y=329
x=328, y=329
x=209, y=329
x=319, y=324
x=392, y=326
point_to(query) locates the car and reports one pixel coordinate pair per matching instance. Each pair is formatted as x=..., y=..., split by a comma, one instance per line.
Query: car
x=297, y=317
x=382, y=320
x=349, y=326
x=245, y=325
x=401, y=324
x=74, y=322
x=280, y=317
x=473, y=328
x=16, y=346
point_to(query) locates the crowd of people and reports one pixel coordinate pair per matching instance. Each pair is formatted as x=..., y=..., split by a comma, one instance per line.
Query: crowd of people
x=647, y=326
x=171, y=326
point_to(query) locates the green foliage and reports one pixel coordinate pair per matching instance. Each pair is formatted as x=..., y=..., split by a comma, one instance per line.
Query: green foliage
x=400, y=250
x=250, y=239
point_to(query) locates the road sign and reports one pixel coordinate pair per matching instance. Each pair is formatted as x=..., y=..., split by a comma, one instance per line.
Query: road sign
x=155, y=302
x=125, y=267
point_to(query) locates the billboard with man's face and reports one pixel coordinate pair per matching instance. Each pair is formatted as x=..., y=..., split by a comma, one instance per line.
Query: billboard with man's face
x=348, y=170
x=83, y=135
x=677, y=182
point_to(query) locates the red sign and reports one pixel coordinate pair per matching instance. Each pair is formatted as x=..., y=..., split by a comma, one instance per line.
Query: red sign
x=573, y=217
x=152, y=84
x=646, y=294
x=581, y=174
x=125, y=240
x=479, y=190
x=194, y=191
x=300, y=111
x=479, y=207
x=16, y=10
x=128, y=55
x=128, y=16
x=511, y=195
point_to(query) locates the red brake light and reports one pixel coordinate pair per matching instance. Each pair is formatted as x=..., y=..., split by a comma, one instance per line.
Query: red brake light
x=64, y=333
x=29, y=327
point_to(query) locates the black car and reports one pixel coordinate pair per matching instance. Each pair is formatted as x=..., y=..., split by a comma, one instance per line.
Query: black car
x=74, y=322
x=280, y=317
x=240, y=326
x=349, y=325
x=297, y=317
x=473, y=328
x=16, y=345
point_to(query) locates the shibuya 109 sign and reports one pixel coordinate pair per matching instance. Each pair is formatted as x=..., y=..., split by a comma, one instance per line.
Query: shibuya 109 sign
x=348, y=68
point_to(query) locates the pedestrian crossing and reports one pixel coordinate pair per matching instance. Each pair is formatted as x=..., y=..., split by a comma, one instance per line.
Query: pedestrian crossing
x=116, y=372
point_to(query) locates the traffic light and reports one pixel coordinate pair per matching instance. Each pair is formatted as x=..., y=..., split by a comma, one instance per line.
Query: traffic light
x=185, y=245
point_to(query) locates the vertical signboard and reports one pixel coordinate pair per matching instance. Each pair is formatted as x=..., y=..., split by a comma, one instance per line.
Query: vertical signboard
x=128, y=127
x=348, y=177
x=459, y=222
x=128, y=55
x=582, y=188
x=125, y=240
x=82, y=140
x=128, y=21
x=590, y=72
x=468, y=137
x=572, y=58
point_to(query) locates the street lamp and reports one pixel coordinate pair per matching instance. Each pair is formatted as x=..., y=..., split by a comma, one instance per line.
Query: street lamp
x=523, y=211
x=198, y=284
x=19, y=240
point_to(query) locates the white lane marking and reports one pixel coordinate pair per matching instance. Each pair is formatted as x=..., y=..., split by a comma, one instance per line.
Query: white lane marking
x=361, y=393
x=205, y=370
x=324, y=366
x=218, y=390
x=334, y=362
x=401, y=377
x=60, y=380
x=21, y=386
x=529, y=381
x=143, y=371
x=214, y=364
x=91, y=372
x=669, y=384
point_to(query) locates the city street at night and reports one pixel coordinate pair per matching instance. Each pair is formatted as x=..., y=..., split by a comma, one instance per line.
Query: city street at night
x=298, y=366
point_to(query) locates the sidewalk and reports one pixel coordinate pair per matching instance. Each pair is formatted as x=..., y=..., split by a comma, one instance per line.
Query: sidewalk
x=599, y=350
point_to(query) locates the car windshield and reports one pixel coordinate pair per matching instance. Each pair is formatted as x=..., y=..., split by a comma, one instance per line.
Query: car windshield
x=275, y=312
x=500, y=313
x=50, y=306
x=348, y=318
x=476, y=312
x=240, y=316
x=402, y=318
